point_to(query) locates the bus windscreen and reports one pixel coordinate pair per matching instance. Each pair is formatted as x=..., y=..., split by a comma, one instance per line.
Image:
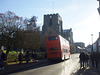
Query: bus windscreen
x=52, y=49
x=52, y=38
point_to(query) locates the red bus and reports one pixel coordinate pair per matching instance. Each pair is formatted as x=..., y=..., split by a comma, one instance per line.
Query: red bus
x=57, y=48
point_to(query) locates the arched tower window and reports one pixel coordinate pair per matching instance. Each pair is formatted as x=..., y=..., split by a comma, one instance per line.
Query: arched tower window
x=50, y=21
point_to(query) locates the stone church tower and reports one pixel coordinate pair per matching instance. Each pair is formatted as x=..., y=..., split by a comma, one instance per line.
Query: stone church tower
x=52, y=25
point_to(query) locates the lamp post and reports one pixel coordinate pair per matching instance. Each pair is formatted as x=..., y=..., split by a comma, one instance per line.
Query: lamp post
x=92, y=41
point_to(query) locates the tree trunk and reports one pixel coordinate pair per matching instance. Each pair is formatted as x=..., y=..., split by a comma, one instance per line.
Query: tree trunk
x=8, y=49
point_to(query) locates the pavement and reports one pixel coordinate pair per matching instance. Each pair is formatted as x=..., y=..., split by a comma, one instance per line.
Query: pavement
x=87, y=70
x=16, y=67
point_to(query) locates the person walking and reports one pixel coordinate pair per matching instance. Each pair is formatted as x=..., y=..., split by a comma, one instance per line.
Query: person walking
x=20, y=56
x=27, y=56
x=92, y=58
x=86, y=59
x=33, y=56
x=82, y=59
x=96, y=59
x=2, y=58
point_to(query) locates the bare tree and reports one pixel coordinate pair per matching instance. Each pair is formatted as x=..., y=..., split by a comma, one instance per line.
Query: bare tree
x=30, y=24
x=31, y=40
x=32, y=34
x=10, y=23
x=14, y=34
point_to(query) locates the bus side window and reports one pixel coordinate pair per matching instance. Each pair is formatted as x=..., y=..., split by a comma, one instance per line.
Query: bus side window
x=52, y=38
x=65, y=50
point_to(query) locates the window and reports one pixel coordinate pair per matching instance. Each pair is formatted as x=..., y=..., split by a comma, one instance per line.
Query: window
x=65, y=50
x=50, y=21
x=52, y=38
x=52, y=49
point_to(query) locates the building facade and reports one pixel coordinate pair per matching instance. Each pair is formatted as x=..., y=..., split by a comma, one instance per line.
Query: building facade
x=52, y=25
x=79, y=47
x=68, y=34
x=96, y=45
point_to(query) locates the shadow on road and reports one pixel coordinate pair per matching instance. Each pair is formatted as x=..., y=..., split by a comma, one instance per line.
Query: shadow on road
x=88, y=71
x=47, y=63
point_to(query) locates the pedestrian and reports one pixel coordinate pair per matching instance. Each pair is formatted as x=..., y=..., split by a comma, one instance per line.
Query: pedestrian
x=82, y=59
x=20, y=57
x=2, y=58
x=27, y=56
x=45, y=55
x=86, y=59
x=92, y=58
x=96, y=59
x=33, y=56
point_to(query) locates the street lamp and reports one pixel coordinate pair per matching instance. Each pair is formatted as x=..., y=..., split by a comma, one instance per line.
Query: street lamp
x=92, y=41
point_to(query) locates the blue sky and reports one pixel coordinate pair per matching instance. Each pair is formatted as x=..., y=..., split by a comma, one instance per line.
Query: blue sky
x=80, y=15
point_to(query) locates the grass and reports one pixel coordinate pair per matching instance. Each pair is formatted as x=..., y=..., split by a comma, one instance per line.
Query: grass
x=17, y=62
x=12, y=57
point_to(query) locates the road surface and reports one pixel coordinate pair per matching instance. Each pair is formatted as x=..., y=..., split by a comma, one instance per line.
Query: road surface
x=55, y=68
